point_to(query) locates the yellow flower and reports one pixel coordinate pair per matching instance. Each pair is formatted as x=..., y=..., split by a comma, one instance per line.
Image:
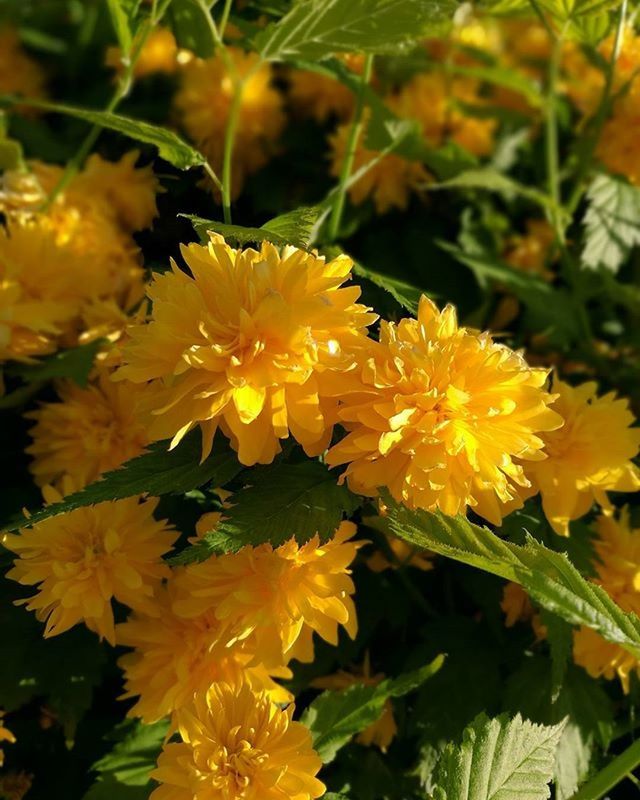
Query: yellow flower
x=88, y=431
x=19, y=74
x=237, y=745
x=159, y=54
x=381, y=732
x=389, y=181
x=603, y=659
x=40, y=291
x=5, y=736
x=322, y=97
x=439, y=414
x=203, y=104
x=531, y=251
x=127, y=192
x=244, y=345
x=174, y=657
x=82, y=559
x=432, y=100
x=588, y=456
x=277, y=597
x=14, y=785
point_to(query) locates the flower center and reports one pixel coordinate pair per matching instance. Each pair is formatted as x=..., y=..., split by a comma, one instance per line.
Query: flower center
x=233, y=771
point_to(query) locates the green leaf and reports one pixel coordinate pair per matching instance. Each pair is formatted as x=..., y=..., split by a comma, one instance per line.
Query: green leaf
x=404, y=293
x=560, y=638
x=170, y=146
x=492, y=181
x=315, y=29
x=334, y=717
x=280, y=501
x=75, y=364
x=294, y=227
x=11, y=155
x=157, y=472
x=612, y=222
x=551, y=308
x=549, y=577
x=123, y=773
x=565, y=10
x=499, y=759
x=192, y=29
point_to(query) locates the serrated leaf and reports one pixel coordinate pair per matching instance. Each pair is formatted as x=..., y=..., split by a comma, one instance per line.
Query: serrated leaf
x=123, y=773
x=192, y=29
x=549, y=577
x=491, y=180
x=315, y=29
x=551, y=308
x=404, y=293
x=335, y=717
x=565, y=10
x=156, y=472
x=294, y=227
x=612, y=222
x=499, y=759
x=170, y=146
x=280, y=502
x=560, y=638
x=75, y=364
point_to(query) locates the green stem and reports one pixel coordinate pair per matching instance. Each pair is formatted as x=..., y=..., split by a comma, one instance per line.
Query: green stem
x=122, y=90
x=611, y=775
x=601, y=114
x=551, y=140
x=229, y=139
x=224, y=18
x=352, y=144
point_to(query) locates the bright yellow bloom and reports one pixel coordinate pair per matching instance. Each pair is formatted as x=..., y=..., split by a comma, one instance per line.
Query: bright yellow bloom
x=236, y=745
x=203, y=104
x=278, y=597
x=15, y=785
x=82, y=559
x=159, y=54
x=588, y=456
x=174, y=657
x=322, y=97
x=88, y=431
x=439, y=414
x=389, y=182
x=19, y=74
x=41, y=293
x=431, y=99
x=5, y=736
x=617, y=566
x=381, y=732
x=244, y=345
x=125, y=191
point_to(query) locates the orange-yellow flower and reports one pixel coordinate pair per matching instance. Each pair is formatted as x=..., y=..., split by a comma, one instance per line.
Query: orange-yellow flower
x=381, y=732
x=126, y=192
x=237, y=745
x=40, y=291
x=441, y=415
x=322, y=97
x=5, y=736
x=588, y=456
x=277, y=597
x=81, y=560
x=86, y=432
x=531, y=251
x=203, y=105
x=432, y=100
x=389, y=180
x=159, y=54
x=174, y=657
x=19, y=74
x=517, y=607
x=243, y=344
x=617, y=566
